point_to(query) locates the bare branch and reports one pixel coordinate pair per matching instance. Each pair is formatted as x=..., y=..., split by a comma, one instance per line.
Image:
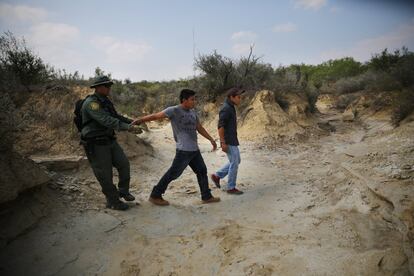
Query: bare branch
x=246, y=72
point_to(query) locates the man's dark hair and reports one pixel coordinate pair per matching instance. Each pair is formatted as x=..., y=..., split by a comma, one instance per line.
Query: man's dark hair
x=185, y=94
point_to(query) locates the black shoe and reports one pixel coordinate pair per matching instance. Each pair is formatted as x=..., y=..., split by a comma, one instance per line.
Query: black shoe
x=127, y=197
x=117, y=205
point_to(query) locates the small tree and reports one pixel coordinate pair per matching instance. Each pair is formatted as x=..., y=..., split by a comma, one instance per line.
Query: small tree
x=403, y=70
x=218, y=71
x=99, y=73
x=385, y=61
x=19, y=65
x=221, y=73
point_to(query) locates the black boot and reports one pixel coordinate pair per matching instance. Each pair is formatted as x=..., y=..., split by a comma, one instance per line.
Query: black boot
x=117, y=205
x=127, y=196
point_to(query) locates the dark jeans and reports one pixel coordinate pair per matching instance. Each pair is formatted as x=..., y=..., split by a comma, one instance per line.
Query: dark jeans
x=181, y=161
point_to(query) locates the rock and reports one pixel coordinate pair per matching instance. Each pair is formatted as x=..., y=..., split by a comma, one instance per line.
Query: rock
x=325, y=102
x=348, y=115
x=133, y=146
x=267, y=121
x=327, y=126
x=20, y=216
x=408, y=119
x=18, y=174
x=298, y=109
x=59, y=163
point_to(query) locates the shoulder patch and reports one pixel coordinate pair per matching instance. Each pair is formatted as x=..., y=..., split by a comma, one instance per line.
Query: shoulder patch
x=94, y=106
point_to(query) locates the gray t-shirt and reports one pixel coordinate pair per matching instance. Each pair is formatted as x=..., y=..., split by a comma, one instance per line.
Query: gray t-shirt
x=184, y=125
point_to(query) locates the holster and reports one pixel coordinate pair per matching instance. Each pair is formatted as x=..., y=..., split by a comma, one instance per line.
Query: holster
x=89, y=147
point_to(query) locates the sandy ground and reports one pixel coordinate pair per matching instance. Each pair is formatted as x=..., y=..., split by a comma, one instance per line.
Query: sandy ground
x=305, y=211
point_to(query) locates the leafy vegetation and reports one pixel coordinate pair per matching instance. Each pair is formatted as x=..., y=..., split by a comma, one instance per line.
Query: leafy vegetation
x=19, y=66
x=386, y=71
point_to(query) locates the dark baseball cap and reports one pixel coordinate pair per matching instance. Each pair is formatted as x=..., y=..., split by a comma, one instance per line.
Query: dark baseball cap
x=235, y=91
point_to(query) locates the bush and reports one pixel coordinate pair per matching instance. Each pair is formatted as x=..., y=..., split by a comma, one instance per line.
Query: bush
x=149, y=97
x=19, y=65
x=370, y=80
x=61, y=77
x=332, y=70
x=386, y=61
x=350, y=85
x=403, y=71
x=397, y=69
x=253, y=75
x=280, y=98
x=221, y=73
x=404, y=106
x=381, y=81
x=344, y=101
x=312, y=96
x=284, y=80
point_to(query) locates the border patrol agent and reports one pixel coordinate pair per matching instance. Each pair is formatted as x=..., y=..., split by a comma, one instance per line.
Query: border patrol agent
x=100, y=120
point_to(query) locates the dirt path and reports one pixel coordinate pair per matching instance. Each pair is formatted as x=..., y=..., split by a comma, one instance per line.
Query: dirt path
x=305, y=211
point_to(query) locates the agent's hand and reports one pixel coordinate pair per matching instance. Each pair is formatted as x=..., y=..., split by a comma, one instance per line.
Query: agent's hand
x=135, y=129
x=136, y=122
x=224, y=147
x=213, y=143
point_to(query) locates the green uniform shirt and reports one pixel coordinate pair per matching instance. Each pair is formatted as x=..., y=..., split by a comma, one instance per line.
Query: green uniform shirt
x=99, y=121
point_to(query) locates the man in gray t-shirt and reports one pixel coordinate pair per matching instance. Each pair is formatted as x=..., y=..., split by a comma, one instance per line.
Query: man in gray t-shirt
x=185, y=125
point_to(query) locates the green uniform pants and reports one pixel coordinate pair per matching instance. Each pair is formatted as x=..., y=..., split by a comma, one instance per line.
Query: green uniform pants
x=102, y=158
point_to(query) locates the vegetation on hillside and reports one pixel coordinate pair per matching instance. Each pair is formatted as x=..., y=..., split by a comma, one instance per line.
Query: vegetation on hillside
x=22, y=71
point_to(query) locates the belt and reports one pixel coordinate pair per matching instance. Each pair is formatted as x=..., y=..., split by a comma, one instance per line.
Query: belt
x=98, y=140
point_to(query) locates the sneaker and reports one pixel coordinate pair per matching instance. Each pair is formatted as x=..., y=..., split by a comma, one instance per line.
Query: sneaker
x=216, y=180
x=127, y=196
x=212, y=199
x=158, y=201
x=117, y=205
x=234, y=191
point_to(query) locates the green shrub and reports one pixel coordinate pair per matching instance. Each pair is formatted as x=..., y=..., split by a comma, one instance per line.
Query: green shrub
x=397, y=69
x=403, y=71
x=19, y=65
x=344, y=101
x=349, y=85
x=284, y=80
x=219, y=73
x=385, y=61
x=312, y=97
x=332, y=70
x=404, y=106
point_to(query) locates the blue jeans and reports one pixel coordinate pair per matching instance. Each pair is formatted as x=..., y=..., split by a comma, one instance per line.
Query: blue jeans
x=231, y=168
